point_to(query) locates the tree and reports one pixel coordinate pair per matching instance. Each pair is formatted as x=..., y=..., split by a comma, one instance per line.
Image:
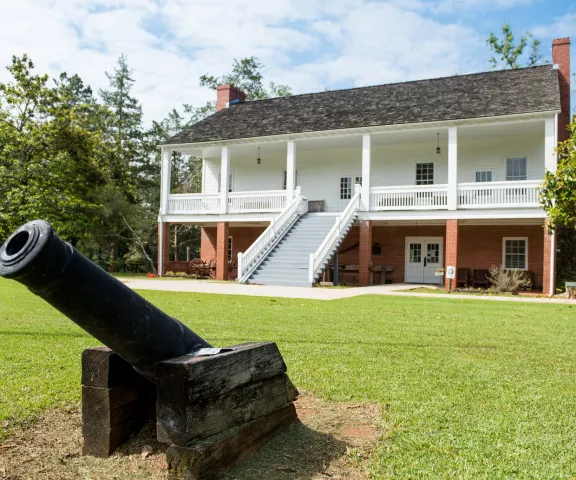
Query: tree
x=51, y=157
x=507, y=54
x=247, y=76
x=558, y=191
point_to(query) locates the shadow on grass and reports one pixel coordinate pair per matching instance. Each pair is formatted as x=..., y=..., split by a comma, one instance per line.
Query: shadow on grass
x=298, y=452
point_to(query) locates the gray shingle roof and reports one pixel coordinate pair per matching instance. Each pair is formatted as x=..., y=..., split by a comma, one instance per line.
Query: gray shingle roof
x=525, y=90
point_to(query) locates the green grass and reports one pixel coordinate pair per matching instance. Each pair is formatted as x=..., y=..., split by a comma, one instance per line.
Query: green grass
x=470, y=389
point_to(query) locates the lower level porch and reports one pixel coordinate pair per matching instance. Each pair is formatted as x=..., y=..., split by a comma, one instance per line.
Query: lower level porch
x=406, y=251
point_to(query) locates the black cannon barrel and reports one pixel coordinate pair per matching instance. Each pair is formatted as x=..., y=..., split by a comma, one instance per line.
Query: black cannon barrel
x=100, y=304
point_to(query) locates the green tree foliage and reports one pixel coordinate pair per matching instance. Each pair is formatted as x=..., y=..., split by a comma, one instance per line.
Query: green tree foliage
x=87, y=165
x=507, y=53
x=247, y=75
x=558, y=192
x=51, y=156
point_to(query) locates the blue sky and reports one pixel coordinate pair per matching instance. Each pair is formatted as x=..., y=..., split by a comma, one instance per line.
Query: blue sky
x=307, y=44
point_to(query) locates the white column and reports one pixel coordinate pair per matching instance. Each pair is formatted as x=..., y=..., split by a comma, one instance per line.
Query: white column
x=452, y=168
x=290, y=171
x=165, y=174
x=550, y=144
x=224, y=174
x=366, y=169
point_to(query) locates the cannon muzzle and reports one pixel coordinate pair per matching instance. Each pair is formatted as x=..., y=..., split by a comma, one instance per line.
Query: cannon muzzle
x=93, y=299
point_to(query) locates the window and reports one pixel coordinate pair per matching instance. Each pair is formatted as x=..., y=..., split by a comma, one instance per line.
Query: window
x=484, y=175
x=230, y=256
x=515, y=253
x=346, y=186
x=230, y=182
x=424, y=173
x=285, y=179
x=415, y=253
x=516, y=168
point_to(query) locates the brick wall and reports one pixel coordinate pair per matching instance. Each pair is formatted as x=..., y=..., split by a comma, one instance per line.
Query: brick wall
x=242, y=239
x=393, y=244
x=479, y=246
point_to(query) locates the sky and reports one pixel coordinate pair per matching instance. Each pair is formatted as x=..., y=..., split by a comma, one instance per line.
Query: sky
x=308, y=44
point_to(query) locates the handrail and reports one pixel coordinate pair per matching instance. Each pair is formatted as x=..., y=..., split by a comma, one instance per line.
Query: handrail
x=251, y=258
x=328, y=244
x=501, y=183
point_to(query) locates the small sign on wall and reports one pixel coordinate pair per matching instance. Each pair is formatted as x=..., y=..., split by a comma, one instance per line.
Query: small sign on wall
x=450, y=272
x=439, y=272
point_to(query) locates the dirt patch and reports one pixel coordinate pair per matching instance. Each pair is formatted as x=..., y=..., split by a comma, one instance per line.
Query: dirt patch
x=332, y=440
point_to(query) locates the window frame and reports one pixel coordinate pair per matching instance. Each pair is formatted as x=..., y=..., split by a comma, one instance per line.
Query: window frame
x=488, y=169
x=525, y=239
x=421, y=162
x=230, y=249
x=510, y=157
x=230, y=182
x=284, y=178
x=353, y=179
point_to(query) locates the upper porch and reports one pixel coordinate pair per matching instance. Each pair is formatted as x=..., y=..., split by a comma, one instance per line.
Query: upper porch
x=491, y=167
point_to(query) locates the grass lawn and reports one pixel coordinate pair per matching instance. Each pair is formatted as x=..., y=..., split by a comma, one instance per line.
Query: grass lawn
x=470, y=389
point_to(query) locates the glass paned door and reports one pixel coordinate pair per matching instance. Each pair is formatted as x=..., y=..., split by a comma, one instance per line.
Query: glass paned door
x=346, y=189
x=423, y=257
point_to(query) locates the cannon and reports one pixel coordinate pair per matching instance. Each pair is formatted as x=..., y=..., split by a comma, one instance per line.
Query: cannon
x=213, y=406
x=121, y=319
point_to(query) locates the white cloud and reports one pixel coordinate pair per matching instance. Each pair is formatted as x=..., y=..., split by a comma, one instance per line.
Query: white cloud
x=308, y=44
x=564, y=26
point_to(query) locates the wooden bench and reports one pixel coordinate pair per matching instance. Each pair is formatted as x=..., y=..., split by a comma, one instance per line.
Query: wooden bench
x=571, y=290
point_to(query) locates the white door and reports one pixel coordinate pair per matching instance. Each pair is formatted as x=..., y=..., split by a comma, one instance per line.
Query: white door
x=423, y=257
x=346, y=189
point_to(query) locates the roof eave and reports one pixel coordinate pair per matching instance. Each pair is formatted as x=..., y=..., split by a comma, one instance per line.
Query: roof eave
x=366, y=130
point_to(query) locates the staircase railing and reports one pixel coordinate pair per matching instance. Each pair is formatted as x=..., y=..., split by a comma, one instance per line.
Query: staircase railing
x=251, y=258
x=325, y=249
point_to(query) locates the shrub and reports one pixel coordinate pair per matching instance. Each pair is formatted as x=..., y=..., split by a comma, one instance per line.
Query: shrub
x=504, y=280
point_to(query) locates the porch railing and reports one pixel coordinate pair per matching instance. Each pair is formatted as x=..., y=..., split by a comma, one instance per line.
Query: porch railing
x=498, y=194
x=251, y=258
x=192, y=203
x=340, y=228
x=262, y=201
x=409, y=197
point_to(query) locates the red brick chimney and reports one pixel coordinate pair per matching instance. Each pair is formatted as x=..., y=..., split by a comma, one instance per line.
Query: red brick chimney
x=561, y=57
x=226, y=94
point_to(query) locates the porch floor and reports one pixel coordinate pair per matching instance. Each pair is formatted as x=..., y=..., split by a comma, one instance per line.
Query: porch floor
x=317, y=293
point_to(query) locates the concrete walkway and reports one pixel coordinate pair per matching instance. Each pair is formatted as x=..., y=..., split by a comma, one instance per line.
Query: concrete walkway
x=318, y=293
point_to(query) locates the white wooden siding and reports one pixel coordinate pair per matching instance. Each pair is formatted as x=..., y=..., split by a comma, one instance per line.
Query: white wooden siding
x=393, y=165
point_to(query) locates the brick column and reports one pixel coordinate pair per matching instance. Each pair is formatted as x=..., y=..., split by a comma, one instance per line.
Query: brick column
x=549, y=267
x=222, y=250
x=207, y=244
x=451, y=250
x=365, y=254
x=163, y=247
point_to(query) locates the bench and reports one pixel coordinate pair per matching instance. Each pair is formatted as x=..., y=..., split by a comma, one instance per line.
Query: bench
x=571, y=290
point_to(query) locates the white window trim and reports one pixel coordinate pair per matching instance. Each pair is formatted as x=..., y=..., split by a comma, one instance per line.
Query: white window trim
x=520, y=155
x=416, y=162
x=230, y=182
x=284, y=177
x=487, y=169
x=230, y=248
x=525, y=269
x=353, y=179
